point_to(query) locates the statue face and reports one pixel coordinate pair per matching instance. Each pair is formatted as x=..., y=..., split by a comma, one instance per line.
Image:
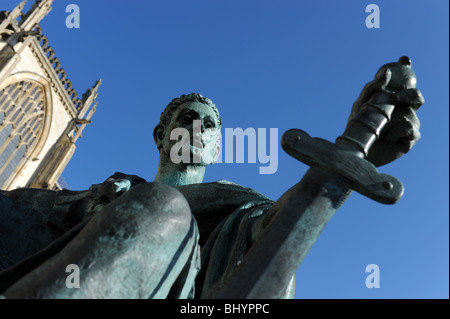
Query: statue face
x=202, y=124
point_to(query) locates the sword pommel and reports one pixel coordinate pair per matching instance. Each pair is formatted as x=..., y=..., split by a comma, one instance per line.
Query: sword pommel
x=402, y=75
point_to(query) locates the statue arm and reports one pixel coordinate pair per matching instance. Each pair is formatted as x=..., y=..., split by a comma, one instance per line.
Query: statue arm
x=283, y=237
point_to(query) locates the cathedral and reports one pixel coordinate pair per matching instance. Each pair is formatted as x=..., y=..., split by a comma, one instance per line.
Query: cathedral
x=41, y=114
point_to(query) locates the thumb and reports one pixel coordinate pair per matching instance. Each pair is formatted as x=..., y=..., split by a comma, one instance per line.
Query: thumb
x=382, y=79
x=379, y=83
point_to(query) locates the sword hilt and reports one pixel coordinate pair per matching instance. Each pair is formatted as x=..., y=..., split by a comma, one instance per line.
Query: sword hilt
x=347, y=156
x=365, y=128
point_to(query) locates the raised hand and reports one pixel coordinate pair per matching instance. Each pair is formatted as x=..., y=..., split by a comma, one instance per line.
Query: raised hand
x=401, y=133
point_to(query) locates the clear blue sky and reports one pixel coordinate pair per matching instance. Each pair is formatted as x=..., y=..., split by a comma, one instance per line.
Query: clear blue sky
x=275, y=64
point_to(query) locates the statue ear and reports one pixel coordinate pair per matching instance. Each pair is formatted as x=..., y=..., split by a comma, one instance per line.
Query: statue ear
x=158, y=135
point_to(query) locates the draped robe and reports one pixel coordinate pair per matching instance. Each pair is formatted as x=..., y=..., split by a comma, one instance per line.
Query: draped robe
x=36, y=224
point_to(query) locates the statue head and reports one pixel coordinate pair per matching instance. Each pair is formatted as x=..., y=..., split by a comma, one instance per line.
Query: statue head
x=181, y=113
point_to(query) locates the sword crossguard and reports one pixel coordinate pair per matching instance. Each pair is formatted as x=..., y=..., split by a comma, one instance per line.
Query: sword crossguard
x=362, y=175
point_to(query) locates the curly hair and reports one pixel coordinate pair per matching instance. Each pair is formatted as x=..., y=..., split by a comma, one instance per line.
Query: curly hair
x=177, y=102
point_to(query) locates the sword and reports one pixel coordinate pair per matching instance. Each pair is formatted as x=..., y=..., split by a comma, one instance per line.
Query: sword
x=335, y=170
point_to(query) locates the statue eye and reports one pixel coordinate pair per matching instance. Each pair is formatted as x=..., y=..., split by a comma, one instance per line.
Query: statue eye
x=209, y=124
x=186, y=119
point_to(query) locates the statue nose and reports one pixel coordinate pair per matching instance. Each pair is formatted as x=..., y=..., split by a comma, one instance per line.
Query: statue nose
x=202, y=126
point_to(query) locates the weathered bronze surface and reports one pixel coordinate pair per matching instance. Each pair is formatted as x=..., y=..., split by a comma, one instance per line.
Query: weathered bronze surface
x=177, y=237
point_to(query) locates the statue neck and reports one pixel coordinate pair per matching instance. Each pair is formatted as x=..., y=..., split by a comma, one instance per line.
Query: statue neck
x=177, y=174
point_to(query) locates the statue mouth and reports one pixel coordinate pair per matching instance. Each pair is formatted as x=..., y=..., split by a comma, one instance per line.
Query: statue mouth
x=197, y=141
x=196, y=147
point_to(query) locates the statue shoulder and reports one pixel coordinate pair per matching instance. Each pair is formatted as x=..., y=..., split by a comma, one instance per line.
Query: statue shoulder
x=220, y=193
x=239, y=188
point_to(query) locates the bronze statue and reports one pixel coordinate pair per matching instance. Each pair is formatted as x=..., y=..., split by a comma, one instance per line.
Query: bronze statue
x=177, y=237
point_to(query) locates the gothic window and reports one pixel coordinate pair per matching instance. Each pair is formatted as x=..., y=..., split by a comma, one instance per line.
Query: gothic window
x=22, y=111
